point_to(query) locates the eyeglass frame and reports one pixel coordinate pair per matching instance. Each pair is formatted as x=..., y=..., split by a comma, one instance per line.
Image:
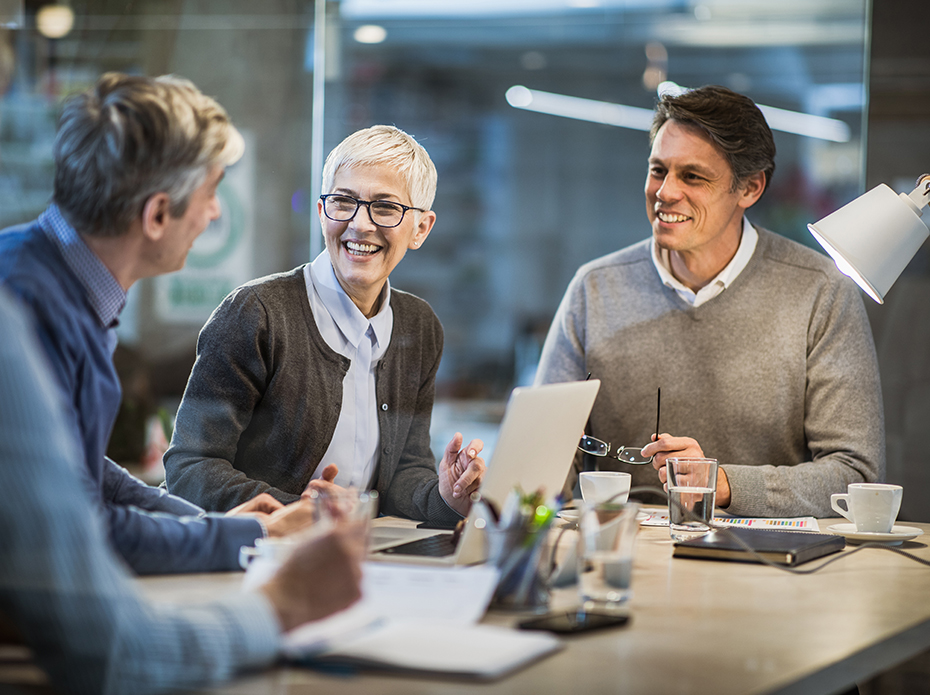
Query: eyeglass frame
x=609, y=447
x=367, y=203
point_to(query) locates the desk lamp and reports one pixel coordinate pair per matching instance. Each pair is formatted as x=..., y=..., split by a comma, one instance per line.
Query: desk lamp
x=875, y=236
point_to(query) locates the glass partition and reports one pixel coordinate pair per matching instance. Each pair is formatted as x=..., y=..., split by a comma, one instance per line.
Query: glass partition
x=531, y=185
x=527, y=196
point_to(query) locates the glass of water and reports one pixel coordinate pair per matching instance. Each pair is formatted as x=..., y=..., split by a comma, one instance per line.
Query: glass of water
x=605, y=555
x=692, y=486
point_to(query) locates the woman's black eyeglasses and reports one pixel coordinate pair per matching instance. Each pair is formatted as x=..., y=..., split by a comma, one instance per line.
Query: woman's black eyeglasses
x=384, y=213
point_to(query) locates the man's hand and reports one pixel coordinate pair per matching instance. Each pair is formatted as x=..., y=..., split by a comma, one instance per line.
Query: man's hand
x=290, y=519
x=325, y=482
x=460, y=473
x=722, y=498
x=666, y=446
x=260, y=504
x=322, y=576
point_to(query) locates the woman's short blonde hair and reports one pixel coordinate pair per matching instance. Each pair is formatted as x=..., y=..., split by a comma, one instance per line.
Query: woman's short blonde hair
x=385, y=145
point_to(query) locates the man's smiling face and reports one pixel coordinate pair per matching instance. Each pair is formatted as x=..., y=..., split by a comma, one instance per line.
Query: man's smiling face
x=690, y=199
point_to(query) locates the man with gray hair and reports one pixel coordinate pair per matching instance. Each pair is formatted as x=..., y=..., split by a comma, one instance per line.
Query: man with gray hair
x=761, y=347
x=138, y=161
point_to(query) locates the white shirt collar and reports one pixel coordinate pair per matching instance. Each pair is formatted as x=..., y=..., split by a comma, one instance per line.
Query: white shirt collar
x=747, y=245
x=348, y=317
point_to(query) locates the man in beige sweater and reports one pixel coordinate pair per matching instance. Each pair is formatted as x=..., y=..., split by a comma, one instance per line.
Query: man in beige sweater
x=761, y=348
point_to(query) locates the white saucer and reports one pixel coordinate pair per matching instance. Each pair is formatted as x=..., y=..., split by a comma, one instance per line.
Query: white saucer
x=572, y=515
x=898, y=534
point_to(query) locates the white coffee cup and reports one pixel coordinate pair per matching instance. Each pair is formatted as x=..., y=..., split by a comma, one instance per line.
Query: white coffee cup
x=872, y=507
x=274, y=550
x=604, y=486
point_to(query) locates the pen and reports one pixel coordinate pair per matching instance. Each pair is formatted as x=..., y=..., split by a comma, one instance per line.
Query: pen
x=658, y=406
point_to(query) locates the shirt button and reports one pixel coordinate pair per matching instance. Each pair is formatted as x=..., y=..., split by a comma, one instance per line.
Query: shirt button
x=384, y=406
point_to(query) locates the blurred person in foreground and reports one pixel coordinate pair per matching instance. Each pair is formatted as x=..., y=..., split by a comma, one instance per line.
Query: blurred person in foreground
x=761, y=347
x=137, y=164
x=325, y=375
x=66, y=595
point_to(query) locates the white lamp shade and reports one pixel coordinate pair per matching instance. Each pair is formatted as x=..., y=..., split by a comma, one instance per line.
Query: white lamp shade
x=873, y=238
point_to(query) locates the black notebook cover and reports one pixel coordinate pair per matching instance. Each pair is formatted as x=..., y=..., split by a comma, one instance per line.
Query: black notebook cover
x=782, y=547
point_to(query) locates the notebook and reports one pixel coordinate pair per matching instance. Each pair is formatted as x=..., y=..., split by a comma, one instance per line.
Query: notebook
x=472, y=652
x=535, y=448
x=418, y=620
x=782, y=547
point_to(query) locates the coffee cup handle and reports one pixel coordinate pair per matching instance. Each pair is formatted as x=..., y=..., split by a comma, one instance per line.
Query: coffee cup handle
x=247, y=553
x=835, y=503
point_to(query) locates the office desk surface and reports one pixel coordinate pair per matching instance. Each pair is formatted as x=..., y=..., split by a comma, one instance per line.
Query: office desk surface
x=697, y=626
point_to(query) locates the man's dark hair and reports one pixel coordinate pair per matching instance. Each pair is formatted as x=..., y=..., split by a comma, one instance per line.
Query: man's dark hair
x=733, y=123
x=130, y=137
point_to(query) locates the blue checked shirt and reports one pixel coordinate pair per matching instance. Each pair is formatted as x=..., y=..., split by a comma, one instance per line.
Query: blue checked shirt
x=61, y=585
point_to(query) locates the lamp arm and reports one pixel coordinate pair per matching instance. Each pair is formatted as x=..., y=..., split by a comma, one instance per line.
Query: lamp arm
x=921, y=193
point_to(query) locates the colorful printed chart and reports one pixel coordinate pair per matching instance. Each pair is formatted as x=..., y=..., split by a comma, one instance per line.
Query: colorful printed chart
x=803, y=523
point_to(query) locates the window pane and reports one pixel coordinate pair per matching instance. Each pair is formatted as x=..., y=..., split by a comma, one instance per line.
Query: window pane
x=524, y=197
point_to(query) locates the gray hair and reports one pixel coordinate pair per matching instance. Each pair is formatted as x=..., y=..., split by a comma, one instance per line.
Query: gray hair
x=732, y=122
x=385, y=145
x=128, y=138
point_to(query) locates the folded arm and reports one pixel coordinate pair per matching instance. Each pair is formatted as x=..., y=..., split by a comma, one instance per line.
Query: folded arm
x=120, y=485
x=843, y=422
x=72, y=602
x=228, y=381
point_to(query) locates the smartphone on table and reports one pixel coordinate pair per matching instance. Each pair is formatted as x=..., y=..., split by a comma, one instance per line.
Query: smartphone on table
x=571, y=622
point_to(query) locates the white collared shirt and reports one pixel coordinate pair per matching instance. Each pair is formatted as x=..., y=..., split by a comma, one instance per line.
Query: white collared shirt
x=356, y=441
x=747, y=245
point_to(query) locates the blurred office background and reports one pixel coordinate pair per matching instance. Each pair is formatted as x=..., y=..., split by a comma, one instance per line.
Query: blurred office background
x=524, y=197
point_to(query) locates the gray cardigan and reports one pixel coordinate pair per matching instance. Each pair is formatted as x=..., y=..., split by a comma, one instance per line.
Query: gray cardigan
x=265, y=393
x=776, y=377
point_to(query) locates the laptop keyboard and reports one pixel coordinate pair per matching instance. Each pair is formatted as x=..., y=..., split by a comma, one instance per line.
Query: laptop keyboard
x=434, y=546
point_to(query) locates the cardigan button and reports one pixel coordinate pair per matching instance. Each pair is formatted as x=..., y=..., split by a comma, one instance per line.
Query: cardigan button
x=384, y=406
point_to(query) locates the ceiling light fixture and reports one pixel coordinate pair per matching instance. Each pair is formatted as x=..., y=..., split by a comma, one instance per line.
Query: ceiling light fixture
x=370, y=33
x=520, y=97
x=54, y=21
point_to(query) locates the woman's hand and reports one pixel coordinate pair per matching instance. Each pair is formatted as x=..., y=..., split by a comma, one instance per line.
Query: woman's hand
x=460, y=473
x=325, y=483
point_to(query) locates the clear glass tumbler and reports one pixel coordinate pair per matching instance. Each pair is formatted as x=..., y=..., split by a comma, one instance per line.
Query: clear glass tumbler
x=692, y=488
x=605, y=555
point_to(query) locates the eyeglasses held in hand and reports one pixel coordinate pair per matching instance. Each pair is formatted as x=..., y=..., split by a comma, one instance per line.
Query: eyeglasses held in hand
x=627, y=454
x=383, y=213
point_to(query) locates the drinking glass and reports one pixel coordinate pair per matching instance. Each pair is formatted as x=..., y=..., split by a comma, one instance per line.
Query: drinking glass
x=692, y=486
x=343, y=505
x=605, y=556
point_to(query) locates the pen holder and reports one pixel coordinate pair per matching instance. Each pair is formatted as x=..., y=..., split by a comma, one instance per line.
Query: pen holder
x=524, y=582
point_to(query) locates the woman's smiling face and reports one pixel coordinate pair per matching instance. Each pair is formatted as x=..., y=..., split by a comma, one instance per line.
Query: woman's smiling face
x=362, y=253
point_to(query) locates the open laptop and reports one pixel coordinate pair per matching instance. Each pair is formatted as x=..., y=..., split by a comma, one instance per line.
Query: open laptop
x=535, y=448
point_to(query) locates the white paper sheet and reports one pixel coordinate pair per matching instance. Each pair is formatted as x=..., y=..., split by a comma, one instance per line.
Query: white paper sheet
x=394, y=594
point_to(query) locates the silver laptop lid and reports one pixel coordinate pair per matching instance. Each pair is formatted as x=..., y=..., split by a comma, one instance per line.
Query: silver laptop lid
x=535, y=448
x=538, y=438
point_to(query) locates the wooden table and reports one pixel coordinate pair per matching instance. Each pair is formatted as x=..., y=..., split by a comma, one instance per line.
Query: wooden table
x=697, y=626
